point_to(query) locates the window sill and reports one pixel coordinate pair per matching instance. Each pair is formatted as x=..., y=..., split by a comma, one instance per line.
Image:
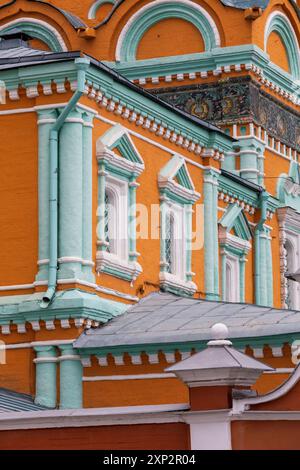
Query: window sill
x=174, y=284
x=111, y=264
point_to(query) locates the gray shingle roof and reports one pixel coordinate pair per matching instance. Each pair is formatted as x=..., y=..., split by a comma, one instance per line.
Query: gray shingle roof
x=13, y=401
x=162, y=318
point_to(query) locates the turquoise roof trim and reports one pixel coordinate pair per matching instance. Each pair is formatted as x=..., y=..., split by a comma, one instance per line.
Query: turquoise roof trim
x=67, y=304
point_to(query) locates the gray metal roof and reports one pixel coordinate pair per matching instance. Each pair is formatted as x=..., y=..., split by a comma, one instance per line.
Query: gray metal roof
x=162, y=318
x=21, y=52
x=217, y=357
x=13, y=401
x=243, y=4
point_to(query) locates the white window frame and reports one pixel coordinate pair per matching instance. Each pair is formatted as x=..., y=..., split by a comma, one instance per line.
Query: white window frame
x=119, y=204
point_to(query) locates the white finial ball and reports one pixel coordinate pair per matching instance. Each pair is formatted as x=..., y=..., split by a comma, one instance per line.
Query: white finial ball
x=219, y=331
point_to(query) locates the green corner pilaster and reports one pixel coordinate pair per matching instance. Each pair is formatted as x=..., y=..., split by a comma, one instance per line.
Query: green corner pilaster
x=70, y=197
x=46, y=119
x=242, y=262
x=87, y=198
x=70, y=378
x=263, y=268
x=45, y=376
x=223, y=267
x=269, y=269
x=211, y=248
x=248, y=160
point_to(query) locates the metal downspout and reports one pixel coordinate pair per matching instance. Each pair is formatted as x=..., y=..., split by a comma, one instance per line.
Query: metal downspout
x=82, y=65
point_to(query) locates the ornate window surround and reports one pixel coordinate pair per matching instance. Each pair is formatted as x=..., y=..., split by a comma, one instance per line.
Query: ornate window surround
x=289, y=230
x=177, y=198
x=118, y=174
x=158, y=10
x=234, y=249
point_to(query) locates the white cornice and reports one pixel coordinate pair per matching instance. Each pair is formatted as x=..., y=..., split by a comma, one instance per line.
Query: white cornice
x=170, y=413
x=287, y=215
x=233, y=241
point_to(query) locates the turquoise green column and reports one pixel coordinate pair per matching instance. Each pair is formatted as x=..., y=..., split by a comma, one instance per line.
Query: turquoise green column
x=70, y=197
x=45, y=376
x=46, y=119
x=216, y=236
x=211, y=255
x=189, y=228
x=132, y=186
x=242, y=262
x=229, y=162
x=248, y=160
x=223, y=264
x=269, y=269
x=261, y=167
x=87, y=198
x=263, y=268
x=70, y=378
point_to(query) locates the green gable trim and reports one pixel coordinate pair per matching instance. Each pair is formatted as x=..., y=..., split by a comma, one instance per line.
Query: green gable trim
x=184, y=178
x=152, y=348
x=117, y=137
x=235, y=219
x=176, y=169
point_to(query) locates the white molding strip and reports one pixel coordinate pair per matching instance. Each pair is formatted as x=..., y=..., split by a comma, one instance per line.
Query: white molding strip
x=170, y=413
x=99, y=288
x=36, y=343
x=106, y=378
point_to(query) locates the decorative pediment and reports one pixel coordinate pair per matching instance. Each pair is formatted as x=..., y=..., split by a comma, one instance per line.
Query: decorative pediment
x=175, y=180
x=117, y=149
x=288, y=190
x=234, y=219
